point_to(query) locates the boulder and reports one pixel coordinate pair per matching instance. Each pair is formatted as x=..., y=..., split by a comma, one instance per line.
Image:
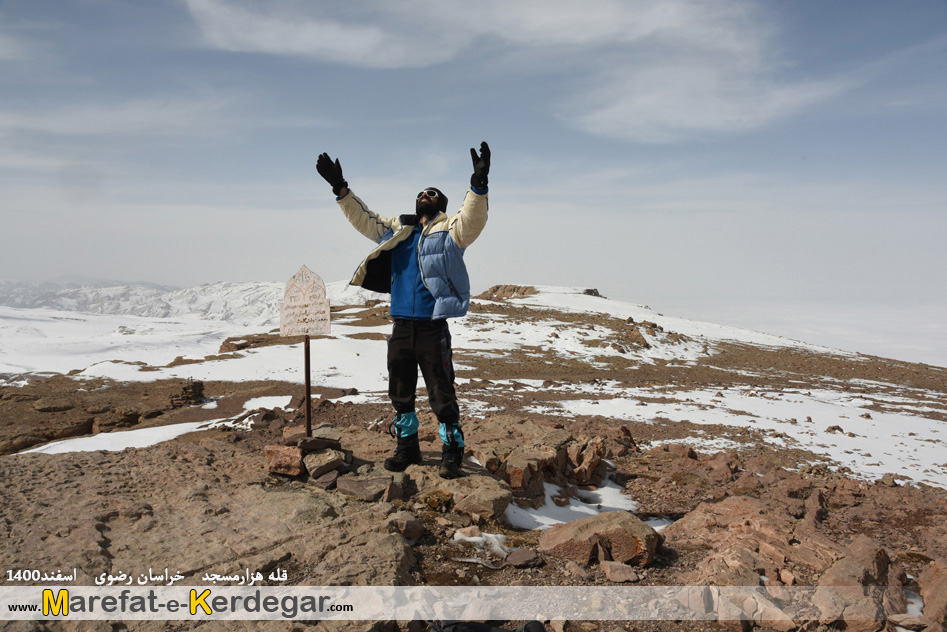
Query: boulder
x=851, y=591
x=622, y=536
x=292, y=435
x=284, y=460
x=933, y=588
x=744, y=536
x=698, y=599
x=478, y=496
x=392, y=492
x=523, y=468
x=488, y=459
x=735, y=564
x=482, y=503
x=586, y=462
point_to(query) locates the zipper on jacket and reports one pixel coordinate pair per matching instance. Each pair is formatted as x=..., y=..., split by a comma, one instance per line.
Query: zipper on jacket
x=453, y=290
x=424, y=232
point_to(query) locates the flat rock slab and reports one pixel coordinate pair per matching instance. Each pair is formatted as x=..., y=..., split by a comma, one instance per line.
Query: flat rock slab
x=620, y=535
x=326, y=481
x=478, y=496
x=328, y=432
x=523, y=558
x=371, y=488
x=323, y=436
x=314, y=444
x=323, y=462
x=619, y=573
x=53, y=404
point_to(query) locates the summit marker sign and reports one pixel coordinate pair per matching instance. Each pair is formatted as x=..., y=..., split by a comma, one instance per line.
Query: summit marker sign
x=305, y=307
x=305, y=312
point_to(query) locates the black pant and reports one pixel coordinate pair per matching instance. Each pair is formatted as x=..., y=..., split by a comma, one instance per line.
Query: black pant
x=424, y=344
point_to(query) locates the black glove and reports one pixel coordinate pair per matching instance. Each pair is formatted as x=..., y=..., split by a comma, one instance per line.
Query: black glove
x=481, y=166
x=332, y=172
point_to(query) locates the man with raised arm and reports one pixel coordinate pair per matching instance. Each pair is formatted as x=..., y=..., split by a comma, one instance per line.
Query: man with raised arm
x=419, y=260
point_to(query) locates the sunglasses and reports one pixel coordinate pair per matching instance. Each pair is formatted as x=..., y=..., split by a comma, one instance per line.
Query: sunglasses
x=431, y=193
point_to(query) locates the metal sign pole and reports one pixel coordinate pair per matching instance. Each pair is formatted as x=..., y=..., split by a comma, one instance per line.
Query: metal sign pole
x=308, y=394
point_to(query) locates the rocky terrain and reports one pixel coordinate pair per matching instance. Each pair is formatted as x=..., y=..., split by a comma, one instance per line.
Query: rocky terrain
x=747, y=504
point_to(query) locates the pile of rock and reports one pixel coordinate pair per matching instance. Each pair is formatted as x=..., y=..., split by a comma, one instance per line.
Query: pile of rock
x=323, y=462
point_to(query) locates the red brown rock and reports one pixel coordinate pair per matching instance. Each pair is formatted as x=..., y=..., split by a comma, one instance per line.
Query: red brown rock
x=488, y=459
x=626, y=538
x=933, y=587
x=523, y=558
x=322, y=462
x=326, y=481
x=314, y=444
x=284, y=460
x=745, y=536
x=406, y=524
x=392, y=492
x=292, y=435
x=619, y=573
x=525, y=463
x=370, y=488
x=910, y=621
x=842, y=596
x=585, y=462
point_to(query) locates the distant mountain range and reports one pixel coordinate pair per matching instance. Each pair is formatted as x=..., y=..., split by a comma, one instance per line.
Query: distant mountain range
x=248, y=303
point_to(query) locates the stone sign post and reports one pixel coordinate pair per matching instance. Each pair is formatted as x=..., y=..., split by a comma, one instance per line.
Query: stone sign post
x=305, y=312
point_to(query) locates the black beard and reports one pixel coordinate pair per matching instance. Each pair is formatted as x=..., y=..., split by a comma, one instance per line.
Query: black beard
x=429, y=211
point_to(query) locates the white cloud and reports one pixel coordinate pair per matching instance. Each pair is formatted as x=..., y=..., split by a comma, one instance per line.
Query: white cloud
x=288, y=32
x=691, y=96
x=653, y=71
x=700, y=68
x=417, y=33
x=145, y=117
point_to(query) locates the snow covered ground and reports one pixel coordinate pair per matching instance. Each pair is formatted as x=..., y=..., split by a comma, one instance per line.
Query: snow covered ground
x=900, y=437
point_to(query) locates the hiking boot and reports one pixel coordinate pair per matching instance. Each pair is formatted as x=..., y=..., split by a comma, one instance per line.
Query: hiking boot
x=451, y=459
x=408, y=452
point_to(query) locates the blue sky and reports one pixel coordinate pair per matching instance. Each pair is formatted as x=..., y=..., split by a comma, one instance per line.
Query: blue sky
x=668, y=153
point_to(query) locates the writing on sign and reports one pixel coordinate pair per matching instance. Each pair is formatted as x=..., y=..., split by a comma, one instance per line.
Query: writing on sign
x=305, y=307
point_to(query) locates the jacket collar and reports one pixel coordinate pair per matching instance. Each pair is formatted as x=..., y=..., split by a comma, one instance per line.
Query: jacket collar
x=414, y=220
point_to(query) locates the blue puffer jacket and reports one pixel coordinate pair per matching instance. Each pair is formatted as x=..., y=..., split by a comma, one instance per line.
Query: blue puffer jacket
x=440, y=250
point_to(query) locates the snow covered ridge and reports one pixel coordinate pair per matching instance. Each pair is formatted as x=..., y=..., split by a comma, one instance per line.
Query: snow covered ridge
x=256, y=304
x=249, y=303
x=581, y=300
